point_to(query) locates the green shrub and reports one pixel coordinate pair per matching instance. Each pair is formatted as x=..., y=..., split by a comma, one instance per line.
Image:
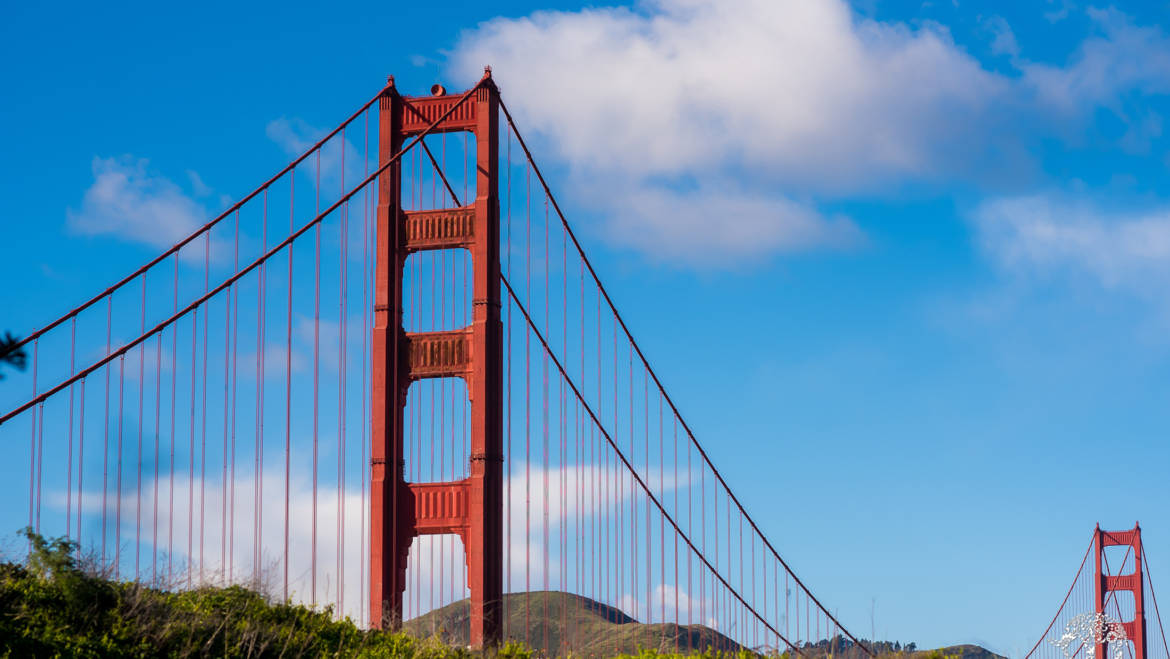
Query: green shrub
x=50, y=607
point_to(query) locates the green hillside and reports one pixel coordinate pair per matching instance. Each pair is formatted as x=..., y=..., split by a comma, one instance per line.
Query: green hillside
x=958, y=652
x=842, y=650
x=553, y=623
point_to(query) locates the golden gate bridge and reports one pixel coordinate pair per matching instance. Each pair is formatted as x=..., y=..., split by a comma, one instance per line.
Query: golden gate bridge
x=388, y=380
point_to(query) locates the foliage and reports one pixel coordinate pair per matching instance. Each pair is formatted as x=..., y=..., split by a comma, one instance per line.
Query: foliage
x=707, y=654
x=50, y=607
x=11, y=354
x=514, y=650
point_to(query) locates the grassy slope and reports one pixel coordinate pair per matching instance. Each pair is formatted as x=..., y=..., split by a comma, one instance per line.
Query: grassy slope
x=554, y=623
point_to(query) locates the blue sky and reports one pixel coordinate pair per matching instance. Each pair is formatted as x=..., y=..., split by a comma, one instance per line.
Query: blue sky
x=943, y=228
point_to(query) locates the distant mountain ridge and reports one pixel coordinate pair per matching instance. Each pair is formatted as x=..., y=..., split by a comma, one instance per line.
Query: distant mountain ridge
x=883, y=649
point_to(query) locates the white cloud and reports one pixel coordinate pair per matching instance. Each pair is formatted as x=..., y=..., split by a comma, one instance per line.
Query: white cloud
x=1051, y=233
x=1059, y=14
x=183, y=503
x=754, y=99
x=661, y=607
x=711, y=222
x=766, y=103
x=191, y=504
x=1115, y=71
x=295, y=136
x=1003, y=41
x=276, y=357
x=800, y=89
x=200, y=188
x=1124, y=57
x=130, y=201
x=325, y=335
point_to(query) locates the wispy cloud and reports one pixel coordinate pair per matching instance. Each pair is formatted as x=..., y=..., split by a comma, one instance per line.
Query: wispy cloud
x=1003, y=39
x=705, y=224
x=1123, y=58
x=1054, y=234
x=130, y=201
x=213, y=530
x=337, y=156
x=1061, y=12
x=189, y=529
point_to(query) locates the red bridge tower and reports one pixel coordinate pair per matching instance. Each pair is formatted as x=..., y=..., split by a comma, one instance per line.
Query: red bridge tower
x=1135, y=629
x=472, y=507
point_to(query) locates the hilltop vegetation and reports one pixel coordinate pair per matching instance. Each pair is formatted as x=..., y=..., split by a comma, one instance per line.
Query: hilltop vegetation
x=555, y=623
x=49, y=607
x=839, y=649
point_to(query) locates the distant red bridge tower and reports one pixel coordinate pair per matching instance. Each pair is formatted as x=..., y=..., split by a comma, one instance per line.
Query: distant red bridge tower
x=1104, y=584
x=472, y=508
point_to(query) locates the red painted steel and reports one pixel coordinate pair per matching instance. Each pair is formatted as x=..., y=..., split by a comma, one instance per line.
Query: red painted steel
x=473, y=507
x=1105, y=584
x=445, y=228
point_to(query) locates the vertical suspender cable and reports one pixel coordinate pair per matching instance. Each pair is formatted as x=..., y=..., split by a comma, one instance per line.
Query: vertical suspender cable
x=235, y=399
x=174, y=402
x=203, y=421
x=292, y=198
x=527, y=410
x=316, y=381
x=105, y=429
x=69, y=457
x=545, y=422
x=367, y=303
x=138, y=479
x=81, y=456
x=223, y=474
x=343, y=288
x=261, y=368
x=509, y=398
x=191, y=447
x=118, y=493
